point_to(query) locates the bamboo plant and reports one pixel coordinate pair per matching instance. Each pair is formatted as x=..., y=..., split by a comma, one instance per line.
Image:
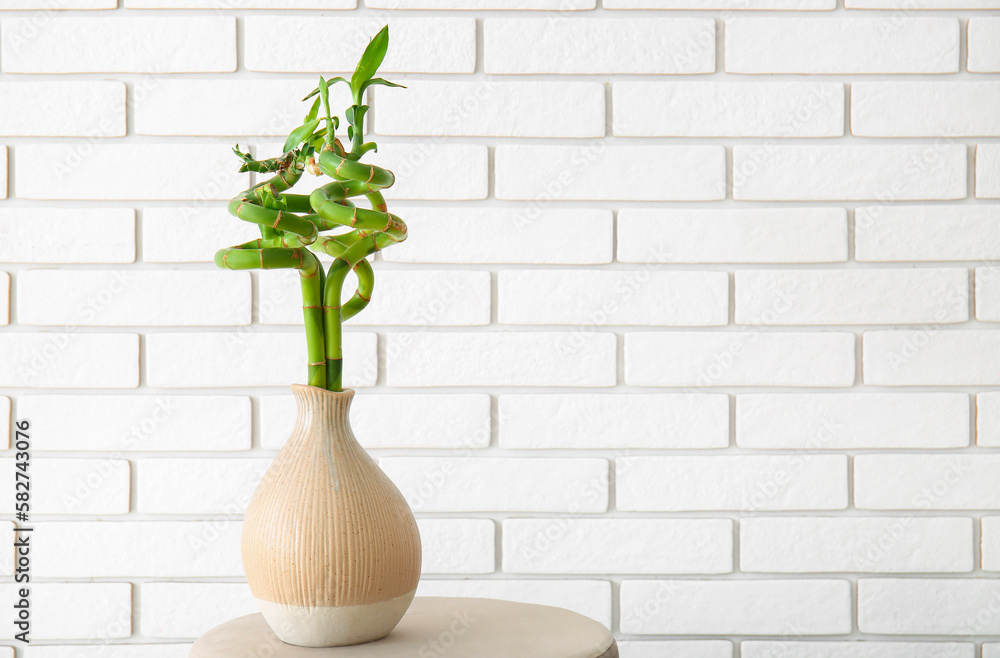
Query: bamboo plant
x=293, y=227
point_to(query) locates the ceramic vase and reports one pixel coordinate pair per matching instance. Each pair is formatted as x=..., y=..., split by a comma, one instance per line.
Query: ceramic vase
x=330, y=547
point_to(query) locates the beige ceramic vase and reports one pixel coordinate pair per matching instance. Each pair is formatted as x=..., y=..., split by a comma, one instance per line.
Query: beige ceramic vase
x=330, y=547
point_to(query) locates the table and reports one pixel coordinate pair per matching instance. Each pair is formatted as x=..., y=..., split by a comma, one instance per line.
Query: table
x=433, y=627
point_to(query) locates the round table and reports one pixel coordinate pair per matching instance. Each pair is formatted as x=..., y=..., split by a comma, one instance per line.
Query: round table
x=436, y=626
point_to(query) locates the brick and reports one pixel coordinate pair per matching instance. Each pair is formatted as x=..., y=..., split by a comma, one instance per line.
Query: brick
x=98, y=109
x=241, y=4
x=988, y=293
x=744, y=607
x=490, y=108
x=940, y=606
x=138, y=422
x=752, y=484
x=500, y=235
x=284, y=43
x=224, y=359
x=872, y=544
x=73, y=611
x=4, y=298
x=924, y=109
x=182, y=549
x=48, y=5
x=749, y=358
x=66, y=359
x=928, y=233
x=774, y=235
x=926, y=482
x=591, y=598
x=198, y=486
x=676, y=648
x=186, y=610
x=549, y=358
x=931, y=356
x=510, y=484
x=633, y=420
x=402, y=297
x=110, y=651
x=833, y=173
x=713, y=109
x=164, y=44
x=991, y=543
x=834, y=421
x=609, y=46
x=126, y=171
x=625, y=297
x=413, y=423
x=843, y=45
x=602, y=172
x=654, y=546
x=552, y=5
x=983, y=34
x=64, y=235
x=910, y=5
x=988, y=171
x=72, y=486
x=4, y=174
x=189, y=234
x=5, y=419
x=991, y=650
x=855, y=649
x=988, y=419
x=804, y=5
x=858, y=296
x=457, y=545
x=130, y=298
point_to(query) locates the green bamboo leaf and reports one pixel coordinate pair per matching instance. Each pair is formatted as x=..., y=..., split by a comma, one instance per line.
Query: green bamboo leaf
x=371, y=59
x=300, y=134
x=379, y=81
x=313, y=111
x=328, y=82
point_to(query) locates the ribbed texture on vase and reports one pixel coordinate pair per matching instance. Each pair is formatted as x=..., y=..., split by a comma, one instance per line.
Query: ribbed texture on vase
x=326, y=527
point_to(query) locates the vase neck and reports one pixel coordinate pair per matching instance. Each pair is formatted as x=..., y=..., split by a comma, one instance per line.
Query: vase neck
x=323, y=411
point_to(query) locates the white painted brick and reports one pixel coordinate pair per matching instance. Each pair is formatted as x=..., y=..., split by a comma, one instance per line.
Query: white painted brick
x=926, y=482
x=224, y=359
x=842, y=45
x=138, y=422
x=5, y=419
x=872, y=544
x=611, y=45
x=591, y=598
x=164, y=44
x=991, y=650
x=540, y=358
x=48, y=5
x=749, y=484
x=988, y=293
x=633, y=420
x=928, y=233
x=988, y=419
x=931, y=356
x=834, y=421
x=748, y=358
x=287, y=43
x=991, y=543
x=983, y=54
x=190, y=234
x=67, y=235
x=402, y=297
x=66, y=359
x=855, y=649
x=714, y=109
x=173, y=650
x=457, y=545
x=40, y=108
x=745, y=607
x=512, y=484
x=73, y=611
x=803, y=5
x=602, y=172
x=651, y=546
x=241, y=4
x=133, y=298
x=434, y=170
x=72, y=486
x=988, y=171
x=127, y=171
x=183, y=549
x=600, y=298
x=690, y=235
x=561, y=5
x=858, y=296
x=4, y=298
x=818, y=173
x=924, y=109
x=677, y=648
x=909, y=5
x=490, y=108
x=3, y=172
x=501, y=235
x=415, y=421
x=928, y=606
x=186, y=610
x=198, y=486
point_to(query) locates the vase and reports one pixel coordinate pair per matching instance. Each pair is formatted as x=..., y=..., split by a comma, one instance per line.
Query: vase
x=330, y=547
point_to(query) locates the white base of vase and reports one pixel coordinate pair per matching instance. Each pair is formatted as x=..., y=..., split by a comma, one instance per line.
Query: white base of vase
x=334, y=626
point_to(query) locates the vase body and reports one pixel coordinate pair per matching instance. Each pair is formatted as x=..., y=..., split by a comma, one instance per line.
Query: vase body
x=330, y=547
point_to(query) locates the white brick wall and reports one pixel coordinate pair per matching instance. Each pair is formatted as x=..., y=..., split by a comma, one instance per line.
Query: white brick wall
x=695, y=331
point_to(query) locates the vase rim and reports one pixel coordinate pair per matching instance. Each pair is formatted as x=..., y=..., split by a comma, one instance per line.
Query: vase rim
x=308, y=388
